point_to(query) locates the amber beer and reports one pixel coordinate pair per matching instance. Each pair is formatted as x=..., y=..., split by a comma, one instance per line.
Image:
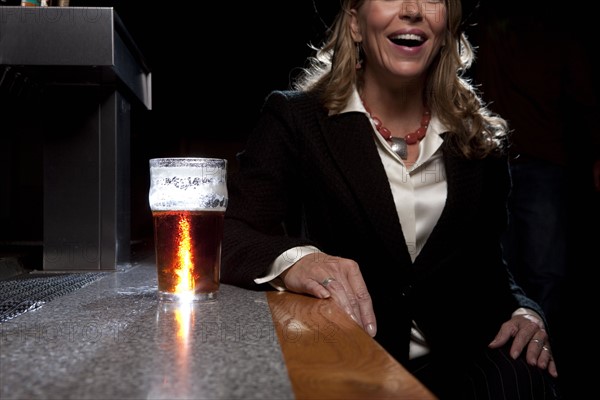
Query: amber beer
x=188, y=251
x=188, y=199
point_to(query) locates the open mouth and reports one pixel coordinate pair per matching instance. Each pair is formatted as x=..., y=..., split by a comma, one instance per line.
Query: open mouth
x=407, y=40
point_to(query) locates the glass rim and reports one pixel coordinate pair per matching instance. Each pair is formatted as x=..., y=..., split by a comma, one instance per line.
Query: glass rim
x=169, y=161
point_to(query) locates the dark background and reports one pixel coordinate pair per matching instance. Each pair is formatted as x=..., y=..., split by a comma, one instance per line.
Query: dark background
x=212, y=65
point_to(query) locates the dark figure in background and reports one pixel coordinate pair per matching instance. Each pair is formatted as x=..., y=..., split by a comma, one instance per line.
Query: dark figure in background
x=380, y=183
x=534, y=71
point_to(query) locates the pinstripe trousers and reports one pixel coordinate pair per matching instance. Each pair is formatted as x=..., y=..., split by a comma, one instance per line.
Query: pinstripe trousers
x=490, y=375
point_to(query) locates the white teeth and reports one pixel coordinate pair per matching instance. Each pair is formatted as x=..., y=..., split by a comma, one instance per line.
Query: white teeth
x=408, y=36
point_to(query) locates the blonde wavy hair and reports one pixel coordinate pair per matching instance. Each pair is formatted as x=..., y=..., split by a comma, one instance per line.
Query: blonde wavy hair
x=473, y=130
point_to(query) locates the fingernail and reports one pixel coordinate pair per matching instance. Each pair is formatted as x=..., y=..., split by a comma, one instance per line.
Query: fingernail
x=371, y=330
x=514, y=354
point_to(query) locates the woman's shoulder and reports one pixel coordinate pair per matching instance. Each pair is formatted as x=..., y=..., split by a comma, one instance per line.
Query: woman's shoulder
x=300, y=103
x=294, y=96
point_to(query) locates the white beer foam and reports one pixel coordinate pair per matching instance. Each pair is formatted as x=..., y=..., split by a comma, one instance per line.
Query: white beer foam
x=176, y=188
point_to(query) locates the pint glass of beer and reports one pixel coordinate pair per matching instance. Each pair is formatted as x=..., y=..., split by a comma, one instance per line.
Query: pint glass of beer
x=188, y=198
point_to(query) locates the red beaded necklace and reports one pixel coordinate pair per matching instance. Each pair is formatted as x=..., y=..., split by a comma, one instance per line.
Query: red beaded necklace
x=399, y=144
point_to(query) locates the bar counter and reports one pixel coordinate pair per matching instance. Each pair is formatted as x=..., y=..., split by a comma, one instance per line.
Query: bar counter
x=112, y=339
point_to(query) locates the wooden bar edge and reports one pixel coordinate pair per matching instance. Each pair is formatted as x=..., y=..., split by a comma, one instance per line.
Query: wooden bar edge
x=328, y=356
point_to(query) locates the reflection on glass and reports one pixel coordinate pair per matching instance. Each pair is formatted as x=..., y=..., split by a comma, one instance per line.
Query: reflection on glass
x=185, y=280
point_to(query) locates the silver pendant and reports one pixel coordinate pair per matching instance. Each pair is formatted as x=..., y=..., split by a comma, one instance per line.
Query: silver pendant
x=399, y=147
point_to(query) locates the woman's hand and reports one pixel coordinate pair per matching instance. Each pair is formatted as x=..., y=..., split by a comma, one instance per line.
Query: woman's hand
x=529, y=334
x=340, y=279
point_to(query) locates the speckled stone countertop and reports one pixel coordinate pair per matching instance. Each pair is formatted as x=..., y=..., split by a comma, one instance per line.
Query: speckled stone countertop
x=112, y=339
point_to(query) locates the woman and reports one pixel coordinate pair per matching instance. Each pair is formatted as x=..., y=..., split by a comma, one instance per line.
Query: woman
x=380, y=182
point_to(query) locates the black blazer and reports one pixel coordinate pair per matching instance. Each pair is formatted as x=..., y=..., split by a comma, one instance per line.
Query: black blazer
x=309, y=178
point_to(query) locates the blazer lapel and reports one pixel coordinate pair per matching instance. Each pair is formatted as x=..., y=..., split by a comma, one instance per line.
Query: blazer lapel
x=353, y=148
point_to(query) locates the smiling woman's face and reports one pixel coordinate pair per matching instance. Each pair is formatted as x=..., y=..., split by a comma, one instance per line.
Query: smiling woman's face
x=399, y=38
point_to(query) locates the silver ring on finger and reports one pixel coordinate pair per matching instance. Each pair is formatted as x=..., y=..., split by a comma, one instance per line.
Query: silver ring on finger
x=546, y=348
x=327, y=281
x=538, y=341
